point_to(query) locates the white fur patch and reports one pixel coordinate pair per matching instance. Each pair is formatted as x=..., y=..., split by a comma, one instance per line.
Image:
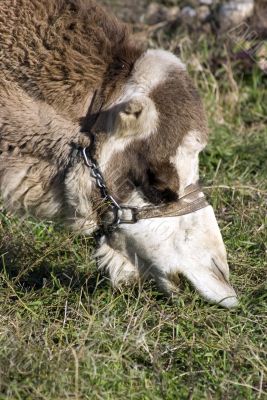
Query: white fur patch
x=153, y=68
x=150, y=70
x=186, y=160
x=119, y=268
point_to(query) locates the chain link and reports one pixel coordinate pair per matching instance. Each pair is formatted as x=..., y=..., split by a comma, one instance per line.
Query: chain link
x=100, y=182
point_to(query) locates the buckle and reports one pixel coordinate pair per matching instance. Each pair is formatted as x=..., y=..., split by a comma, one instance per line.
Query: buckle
x=122, y=219
x=119, y=218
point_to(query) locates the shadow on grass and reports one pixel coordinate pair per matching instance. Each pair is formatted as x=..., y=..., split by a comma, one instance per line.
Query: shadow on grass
x=27, y=267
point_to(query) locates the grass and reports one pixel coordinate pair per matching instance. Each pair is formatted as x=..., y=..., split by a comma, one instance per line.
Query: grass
x=64, y=334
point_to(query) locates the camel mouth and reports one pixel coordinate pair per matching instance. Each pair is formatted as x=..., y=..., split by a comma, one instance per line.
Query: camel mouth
x=228, y=302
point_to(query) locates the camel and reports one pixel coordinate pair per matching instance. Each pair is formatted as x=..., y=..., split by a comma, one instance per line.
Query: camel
x=104, y=135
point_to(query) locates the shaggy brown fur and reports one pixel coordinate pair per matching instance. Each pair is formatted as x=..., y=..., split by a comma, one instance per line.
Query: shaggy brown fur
x=59, y=51
x=54, y=55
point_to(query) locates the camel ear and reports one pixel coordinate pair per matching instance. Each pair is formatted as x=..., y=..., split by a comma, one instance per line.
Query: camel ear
x=133, y=109
x=129, y=119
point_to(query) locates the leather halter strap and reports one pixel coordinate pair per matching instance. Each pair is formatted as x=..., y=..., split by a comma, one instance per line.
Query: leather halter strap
x=192, y=201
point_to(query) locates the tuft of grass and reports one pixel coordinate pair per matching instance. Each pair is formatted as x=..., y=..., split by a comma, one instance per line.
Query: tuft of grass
x=64, y=334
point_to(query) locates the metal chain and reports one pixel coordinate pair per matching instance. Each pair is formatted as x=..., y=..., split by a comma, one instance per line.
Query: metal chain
x=100, y=182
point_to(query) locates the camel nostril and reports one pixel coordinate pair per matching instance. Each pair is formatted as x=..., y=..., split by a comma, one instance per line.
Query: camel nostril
x=218, y=271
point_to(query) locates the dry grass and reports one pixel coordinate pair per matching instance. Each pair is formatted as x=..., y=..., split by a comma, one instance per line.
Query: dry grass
x=65, y=335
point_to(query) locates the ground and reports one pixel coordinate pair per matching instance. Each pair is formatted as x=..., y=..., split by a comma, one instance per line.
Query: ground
x=64, y=334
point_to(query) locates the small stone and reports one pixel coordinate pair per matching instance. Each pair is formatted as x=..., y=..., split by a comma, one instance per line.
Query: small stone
x=262, y=52
x=188, y=13
x=235, y=12
x=206, y=2
x=173, y=13
x=262, y=56
x=155, y=13
x=203, y=13
x=262, y=63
